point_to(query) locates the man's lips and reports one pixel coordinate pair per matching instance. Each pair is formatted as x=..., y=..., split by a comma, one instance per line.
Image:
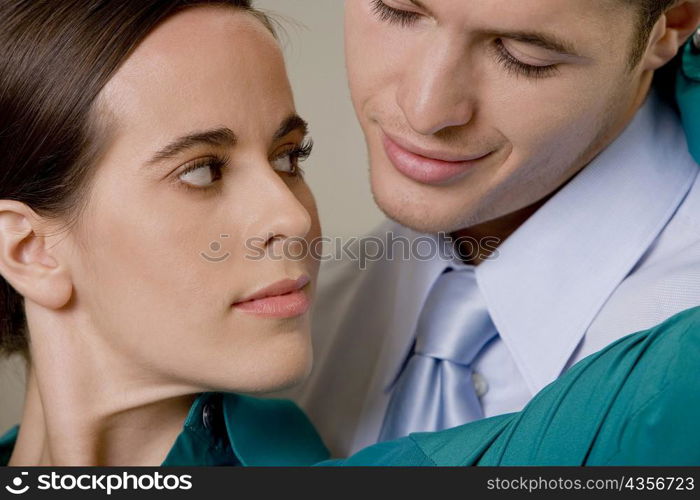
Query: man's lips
x=425, y=166
x=283, y=299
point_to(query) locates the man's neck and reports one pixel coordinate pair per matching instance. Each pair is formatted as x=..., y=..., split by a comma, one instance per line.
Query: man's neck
x=498, y=229
x=502, y=227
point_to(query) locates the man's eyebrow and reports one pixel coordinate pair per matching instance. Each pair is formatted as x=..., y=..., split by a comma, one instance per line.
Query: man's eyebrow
x=544, y=40
x=216, y=137
x=290, y=124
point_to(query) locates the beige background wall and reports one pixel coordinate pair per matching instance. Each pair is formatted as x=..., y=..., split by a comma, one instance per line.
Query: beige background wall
x=337, y=171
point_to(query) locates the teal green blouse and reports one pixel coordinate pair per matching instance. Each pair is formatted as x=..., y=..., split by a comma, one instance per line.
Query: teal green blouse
x=688, y=97
x=230, y=429
x=636, y=402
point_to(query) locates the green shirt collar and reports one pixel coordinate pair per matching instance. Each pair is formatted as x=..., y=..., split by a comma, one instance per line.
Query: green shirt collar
x=230, y=429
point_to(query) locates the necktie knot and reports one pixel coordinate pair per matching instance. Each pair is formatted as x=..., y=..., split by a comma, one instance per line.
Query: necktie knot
x=435, y=389
x=456, y=324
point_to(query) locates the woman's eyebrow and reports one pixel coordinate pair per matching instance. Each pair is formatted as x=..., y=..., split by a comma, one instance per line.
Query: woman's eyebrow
x=290, y=124
x=222, y=137
x=216, y=137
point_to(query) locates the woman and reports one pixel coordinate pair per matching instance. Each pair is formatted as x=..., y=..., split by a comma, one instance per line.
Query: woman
x=150, y=189
x=79, y=413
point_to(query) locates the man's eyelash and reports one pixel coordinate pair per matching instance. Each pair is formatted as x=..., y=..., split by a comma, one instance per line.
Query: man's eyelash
x=517, y=67
x=512, y=64
x=392, y=15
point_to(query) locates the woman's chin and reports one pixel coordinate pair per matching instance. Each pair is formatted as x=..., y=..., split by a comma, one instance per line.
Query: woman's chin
x=274, y=371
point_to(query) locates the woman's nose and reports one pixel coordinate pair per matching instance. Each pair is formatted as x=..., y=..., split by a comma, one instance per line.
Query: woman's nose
x=280, y=213
x=435, y=91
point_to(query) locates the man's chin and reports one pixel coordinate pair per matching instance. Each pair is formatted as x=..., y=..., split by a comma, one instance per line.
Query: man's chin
x=421, y=216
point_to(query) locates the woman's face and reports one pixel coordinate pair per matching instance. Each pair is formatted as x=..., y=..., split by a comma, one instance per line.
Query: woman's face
x=198, y=182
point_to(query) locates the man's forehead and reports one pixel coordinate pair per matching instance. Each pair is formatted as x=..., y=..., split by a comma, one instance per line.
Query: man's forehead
x=542, y=10
x=583, y=23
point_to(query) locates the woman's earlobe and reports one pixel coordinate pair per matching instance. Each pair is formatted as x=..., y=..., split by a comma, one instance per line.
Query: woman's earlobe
x=26, y=260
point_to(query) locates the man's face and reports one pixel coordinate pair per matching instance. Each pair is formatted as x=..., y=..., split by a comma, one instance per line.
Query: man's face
x=473, y=109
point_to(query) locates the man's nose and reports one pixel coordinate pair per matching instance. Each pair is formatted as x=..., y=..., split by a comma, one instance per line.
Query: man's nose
x=435, y=92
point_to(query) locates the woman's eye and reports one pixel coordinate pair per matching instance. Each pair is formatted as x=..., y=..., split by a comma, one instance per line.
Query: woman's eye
x=203, y=173
x=390, y=14
x=285, y=164
x=288, y=162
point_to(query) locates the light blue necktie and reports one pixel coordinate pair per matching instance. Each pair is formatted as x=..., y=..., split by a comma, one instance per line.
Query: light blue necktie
x=435, y=390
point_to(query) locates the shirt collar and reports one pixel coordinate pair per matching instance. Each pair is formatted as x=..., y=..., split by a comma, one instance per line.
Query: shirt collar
x=231, y=429
x=555, y=272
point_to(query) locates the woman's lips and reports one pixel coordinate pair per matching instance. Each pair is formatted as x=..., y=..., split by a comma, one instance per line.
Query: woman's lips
x=284, y=299
x=427, y=168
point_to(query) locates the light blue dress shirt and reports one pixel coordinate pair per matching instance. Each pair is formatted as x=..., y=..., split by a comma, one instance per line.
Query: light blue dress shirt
x=615, y=251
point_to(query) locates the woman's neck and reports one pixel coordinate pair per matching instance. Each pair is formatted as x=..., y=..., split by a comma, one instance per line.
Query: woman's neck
x=86, y=406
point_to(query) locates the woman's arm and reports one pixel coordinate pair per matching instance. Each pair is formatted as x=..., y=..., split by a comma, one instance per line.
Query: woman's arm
x=688, y=93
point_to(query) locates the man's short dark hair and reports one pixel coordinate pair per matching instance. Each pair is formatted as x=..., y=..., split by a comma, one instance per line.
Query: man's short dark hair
x=649, y=12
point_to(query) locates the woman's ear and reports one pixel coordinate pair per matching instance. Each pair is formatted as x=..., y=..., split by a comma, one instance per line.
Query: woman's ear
x=27, y=260
x=671, y=31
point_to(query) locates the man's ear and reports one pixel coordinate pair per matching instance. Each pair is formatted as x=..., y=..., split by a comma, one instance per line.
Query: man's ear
x=671, y=31
x=27, y=261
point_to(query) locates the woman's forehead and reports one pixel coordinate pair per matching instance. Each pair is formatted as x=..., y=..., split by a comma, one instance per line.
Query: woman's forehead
x=203, y=66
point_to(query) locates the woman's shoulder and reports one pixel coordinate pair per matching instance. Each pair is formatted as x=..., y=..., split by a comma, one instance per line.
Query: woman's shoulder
x=271, y=432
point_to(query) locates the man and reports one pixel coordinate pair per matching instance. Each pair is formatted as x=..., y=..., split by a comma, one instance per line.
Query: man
x=530, y=132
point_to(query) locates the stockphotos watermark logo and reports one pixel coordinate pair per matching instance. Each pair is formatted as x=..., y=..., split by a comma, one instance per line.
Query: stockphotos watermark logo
x=362, y=251
x=18, y=487
x=104, y=483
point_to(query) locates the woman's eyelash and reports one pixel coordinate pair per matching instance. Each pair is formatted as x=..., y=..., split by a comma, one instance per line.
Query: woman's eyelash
x=392, y=15
x=303, y=151
x=216, y=163
x=298, y=154
x=219, y=163
x=520, y=68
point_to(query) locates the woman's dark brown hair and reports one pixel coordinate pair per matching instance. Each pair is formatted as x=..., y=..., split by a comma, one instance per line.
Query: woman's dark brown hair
x=55, y=58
